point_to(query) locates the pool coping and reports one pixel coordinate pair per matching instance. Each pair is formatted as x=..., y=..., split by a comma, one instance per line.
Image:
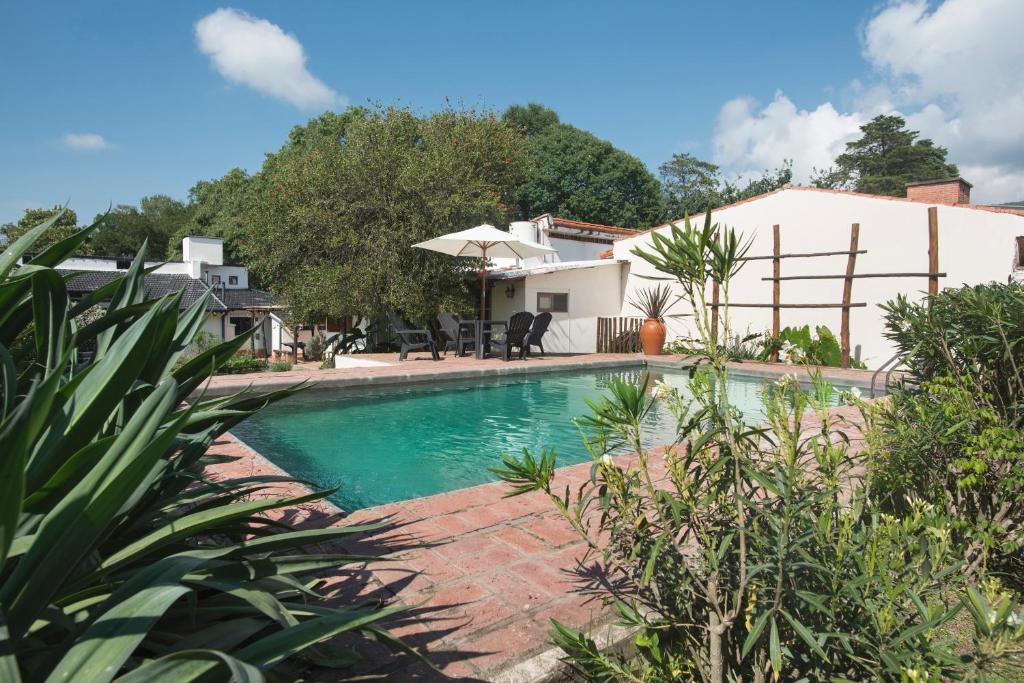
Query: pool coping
x=545, y=665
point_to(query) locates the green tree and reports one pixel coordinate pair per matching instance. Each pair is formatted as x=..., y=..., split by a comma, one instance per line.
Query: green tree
x=532, y=118
x=576, y=175
x=124, y=229
x=691, y=186
x=333, y=217
x=66, y=224
x=885, y=158
x=215, y=209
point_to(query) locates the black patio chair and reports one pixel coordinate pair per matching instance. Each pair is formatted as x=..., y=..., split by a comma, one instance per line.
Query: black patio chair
x=515, y=335
x=537, y=330
x=412, y=340
x=461, y=333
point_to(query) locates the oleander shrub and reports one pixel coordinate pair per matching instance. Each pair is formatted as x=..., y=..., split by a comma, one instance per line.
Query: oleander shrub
x=953, y=432
x=749, y=552
x=240, y=364
x=119, y=558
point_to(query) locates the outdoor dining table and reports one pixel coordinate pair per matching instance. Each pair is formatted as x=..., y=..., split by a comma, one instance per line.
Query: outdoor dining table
x=482, y=330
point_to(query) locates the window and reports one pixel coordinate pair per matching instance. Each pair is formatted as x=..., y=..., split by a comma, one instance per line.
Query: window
x=1020, y=252
x=232, y=279
x=552, y=302
x=240, y=324
x=123, y=262
x=215, y=279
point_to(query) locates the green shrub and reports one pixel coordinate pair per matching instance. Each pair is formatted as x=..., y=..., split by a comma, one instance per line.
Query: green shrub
x=753, y=553
x=954, y=434
x=798, y=346
x=240, y=364
x=119, y=558
x=280, y=365
x=314, y=349
x=972, y=333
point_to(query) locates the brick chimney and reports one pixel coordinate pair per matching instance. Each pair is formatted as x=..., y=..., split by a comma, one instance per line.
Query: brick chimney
x=943, y=191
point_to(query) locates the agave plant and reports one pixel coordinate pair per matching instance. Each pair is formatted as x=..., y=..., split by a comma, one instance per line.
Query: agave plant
x=118, y=558
x=653, y=302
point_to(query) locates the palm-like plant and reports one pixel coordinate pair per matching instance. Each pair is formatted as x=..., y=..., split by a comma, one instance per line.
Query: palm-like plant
x=653, y=302
x=118, y=558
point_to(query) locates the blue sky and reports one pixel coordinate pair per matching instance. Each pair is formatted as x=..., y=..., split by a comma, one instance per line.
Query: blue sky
x=105, y=102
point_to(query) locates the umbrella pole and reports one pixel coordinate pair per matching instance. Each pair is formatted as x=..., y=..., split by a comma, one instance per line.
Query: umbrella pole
x=483, y=281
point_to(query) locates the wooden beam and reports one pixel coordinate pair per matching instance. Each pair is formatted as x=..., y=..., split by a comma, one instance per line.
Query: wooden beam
x=856, y=276
x=807, y=255
x=731, y=305
x=933, y=249
x=844, y=326
x=776, y=291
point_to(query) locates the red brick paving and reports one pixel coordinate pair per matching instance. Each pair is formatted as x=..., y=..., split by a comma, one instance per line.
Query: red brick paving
x=490, y=572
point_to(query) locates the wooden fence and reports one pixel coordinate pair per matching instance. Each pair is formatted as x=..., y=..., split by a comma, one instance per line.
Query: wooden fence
x=848, y=277
x=618, y=335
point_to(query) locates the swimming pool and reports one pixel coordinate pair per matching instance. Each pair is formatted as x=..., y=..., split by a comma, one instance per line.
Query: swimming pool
x=398, y=442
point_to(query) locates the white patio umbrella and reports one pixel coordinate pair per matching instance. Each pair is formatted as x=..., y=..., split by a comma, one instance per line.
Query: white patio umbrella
x=482, y=242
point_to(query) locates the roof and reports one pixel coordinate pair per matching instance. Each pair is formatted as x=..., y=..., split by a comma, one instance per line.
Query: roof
x=939, y=181
x=160, y=284
x=804, y=188
x=583, y=225
x=607, y=253
x=544, y=268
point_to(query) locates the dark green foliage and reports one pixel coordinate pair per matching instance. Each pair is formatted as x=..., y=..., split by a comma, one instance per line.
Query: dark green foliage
x=216, y=209
x=576, y=175
x=973, y=332
x=124, y=229
x=335, y=212
x=798, y=345
x=885, y=158
x=692, y=186
x=241, y=363
x=954, y=434
x=531, y=119
x=65, y=225
x=119, y=558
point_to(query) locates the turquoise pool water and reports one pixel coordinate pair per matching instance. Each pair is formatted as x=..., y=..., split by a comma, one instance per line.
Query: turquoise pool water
x=400, y=442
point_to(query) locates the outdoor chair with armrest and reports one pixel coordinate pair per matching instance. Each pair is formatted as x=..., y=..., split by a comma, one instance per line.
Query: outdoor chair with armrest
x=515, y=335
x=537, y=330
x=461, y=333
x=412, y=340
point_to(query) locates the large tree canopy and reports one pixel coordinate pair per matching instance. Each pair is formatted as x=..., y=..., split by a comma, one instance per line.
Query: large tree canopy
x=885, y=158
x=64, y=227
x=574, y=174
x=124, y=229
x=335, y=212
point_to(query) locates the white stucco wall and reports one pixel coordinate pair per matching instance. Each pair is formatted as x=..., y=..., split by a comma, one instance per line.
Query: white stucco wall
x=975, y=246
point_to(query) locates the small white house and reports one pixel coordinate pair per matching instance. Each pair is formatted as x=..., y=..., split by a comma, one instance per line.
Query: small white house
x=232, y=308
x=976, y=244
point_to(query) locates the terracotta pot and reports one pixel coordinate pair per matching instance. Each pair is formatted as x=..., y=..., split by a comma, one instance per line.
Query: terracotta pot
x=652, y=337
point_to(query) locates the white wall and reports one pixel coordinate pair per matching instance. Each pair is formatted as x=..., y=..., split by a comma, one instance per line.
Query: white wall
x=209, y=250
x=975, y=246
x=502, y=307
x=574, y=250
x=591, y=291
x=225, y=272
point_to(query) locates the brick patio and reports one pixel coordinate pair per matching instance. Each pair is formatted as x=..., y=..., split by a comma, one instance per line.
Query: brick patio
x=483, y=573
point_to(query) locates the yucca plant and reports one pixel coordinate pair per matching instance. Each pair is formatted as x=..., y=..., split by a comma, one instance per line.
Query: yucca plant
x=653, y=302
x=119, y=559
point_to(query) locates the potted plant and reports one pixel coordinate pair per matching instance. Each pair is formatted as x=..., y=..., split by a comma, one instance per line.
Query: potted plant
x=654, y=303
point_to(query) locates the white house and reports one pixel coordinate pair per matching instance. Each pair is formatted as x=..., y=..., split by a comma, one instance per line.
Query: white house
x=232, y=308
x=977, y=244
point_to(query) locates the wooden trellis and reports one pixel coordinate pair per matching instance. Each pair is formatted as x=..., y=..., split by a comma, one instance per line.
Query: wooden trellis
x=848, y=277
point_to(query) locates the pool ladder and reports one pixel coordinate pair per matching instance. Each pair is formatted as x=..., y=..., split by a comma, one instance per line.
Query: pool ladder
x=887, y=367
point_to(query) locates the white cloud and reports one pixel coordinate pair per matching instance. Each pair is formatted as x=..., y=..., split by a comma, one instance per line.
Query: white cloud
x=952, y=70
x=85, y=142
x=747, y=141
x=254, y=52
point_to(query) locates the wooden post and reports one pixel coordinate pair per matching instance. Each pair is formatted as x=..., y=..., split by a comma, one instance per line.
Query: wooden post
x=714, y=311
x=776, y=292
x=933, y=250
x=844, y=328
x=600, y=328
